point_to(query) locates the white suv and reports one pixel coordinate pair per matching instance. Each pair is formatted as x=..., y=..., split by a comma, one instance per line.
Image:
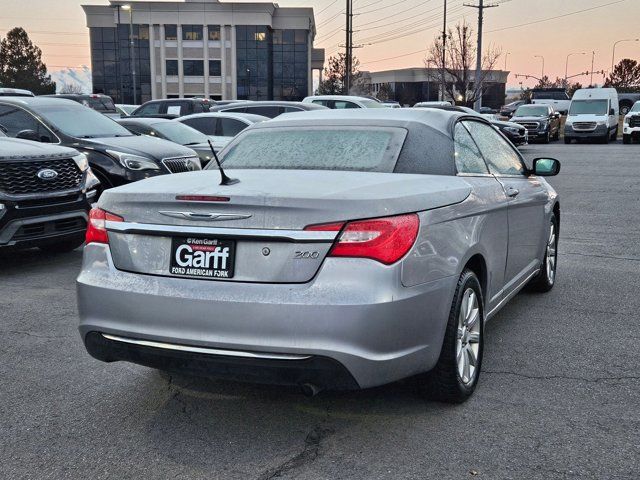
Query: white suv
x=631, y=129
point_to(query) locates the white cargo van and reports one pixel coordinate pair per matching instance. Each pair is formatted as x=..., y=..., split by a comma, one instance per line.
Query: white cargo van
x=593, y=114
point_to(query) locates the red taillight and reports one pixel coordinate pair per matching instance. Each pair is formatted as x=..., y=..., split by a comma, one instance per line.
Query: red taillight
x=96, y=230
x=385, y=240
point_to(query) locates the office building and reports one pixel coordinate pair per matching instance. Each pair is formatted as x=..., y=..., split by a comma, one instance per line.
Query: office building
x=206, y=48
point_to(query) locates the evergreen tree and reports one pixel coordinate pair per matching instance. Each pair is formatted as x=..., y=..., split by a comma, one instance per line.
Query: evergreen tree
x=21, y=64
x=335, y=75
x=625, y=76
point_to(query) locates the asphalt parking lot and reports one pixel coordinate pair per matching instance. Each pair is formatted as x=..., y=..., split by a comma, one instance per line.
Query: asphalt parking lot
x=558, y=396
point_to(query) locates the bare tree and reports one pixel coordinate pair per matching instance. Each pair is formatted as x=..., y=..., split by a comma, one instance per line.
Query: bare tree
x=459, y=69
x=71, y=88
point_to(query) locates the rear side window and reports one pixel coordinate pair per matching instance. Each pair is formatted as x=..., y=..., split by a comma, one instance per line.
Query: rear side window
x=230, y=127
x=320, y=102
x=14, y=120
x=341, y=104
x=500, y=156
x=373, y=149
x=270, y=111
x=468, y=157
x=202, y=124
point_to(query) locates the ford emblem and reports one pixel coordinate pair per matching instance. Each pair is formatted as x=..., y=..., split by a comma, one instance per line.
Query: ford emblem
x=47, y=174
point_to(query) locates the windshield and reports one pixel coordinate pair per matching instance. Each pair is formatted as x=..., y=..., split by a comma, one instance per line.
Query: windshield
x=328, y=148
x=180, y=133
x=636, y=107
x=101, y=104
x=589, y=107
x=127, y=108
x=531, y=111
x=78, y=121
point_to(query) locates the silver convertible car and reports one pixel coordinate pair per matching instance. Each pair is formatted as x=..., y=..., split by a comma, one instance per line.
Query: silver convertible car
x=350, y=249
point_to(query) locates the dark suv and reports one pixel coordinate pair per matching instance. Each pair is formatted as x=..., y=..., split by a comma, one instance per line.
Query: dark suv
x=541, y=121
x=45, y=195
x=116, y=155
x=96, y=101
x=173, y=107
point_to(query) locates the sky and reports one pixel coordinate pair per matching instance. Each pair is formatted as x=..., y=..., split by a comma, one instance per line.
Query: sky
x=397, y=33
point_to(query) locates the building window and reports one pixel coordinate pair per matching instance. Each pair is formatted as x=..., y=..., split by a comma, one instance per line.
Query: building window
x=290, y=64
x=193, y=68
x=171, y=32
x=214, y=32
x=215, y=68
x=191, y=32
x=172, y=67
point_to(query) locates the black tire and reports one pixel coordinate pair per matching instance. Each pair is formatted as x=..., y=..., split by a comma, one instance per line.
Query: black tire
x=444, y=383
x=614, y=135
x=624, y=108
x=544, y=280
x=547, y=138
x=62, y=247
x=556, y=137
x=567, y=140
x=626, y=139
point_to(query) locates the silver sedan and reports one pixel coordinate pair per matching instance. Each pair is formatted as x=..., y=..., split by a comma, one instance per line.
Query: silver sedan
x=349, y=249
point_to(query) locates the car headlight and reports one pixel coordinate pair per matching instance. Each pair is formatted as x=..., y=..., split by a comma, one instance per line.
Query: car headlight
x=81, y=161
x=513, y=130
x=601, y=122
x=543, y=125
x=134, y=162
x=626, y=120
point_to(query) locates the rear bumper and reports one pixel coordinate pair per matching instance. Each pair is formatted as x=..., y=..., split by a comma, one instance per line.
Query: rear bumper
x=355, y=314
x=321, y=372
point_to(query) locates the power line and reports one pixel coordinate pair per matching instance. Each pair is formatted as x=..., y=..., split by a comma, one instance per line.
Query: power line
x=555, y=17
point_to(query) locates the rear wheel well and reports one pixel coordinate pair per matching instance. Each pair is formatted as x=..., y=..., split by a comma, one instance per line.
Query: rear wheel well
x=479, y=267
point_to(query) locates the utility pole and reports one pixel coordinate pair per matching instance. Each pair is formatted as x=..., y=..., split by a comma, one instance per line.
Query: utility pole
x=593, y=56
x=444, y=53
x=478, y=80
x=348, y=47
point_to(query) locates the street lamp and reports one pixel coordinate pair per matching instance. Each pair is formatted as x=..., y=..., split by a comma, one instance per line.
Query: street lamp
x=613, y=57
x=540, y=56
x=566, y=67
x=132, y=52
x=506, y=55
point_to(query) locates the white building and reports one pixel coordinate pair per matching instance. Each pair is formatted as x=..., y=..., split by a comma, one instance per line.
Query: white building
x=202, y=48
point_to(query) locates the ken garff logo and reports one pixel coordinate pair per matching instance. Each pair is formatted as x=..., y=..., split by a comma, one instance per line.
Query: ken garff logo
x=47, y=174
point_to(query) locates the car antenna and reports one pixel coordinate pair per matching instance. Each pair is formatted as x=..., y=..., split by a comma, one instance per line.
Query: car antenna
x=224, y=180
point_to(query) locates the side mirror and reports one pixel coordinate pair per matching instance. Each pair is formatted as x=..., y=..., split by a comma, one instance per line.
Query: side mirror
x=546, y=167
x=557, y=114
x=612, y=111
x=29, y=135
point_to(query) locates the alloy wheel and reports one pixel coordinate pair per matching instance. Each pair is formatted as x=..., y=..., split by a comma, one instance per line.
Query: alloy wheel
x=552, y=254
x=468, y=337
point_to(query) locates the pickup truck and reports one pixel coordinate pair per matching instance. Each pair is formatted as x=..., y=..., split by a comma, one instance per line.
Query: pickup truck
x=555, y=97
x=626, y=101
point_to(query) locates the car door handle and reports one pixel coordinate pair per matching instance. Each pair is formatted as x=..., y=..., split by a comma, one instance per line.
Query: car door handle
x=512, y=192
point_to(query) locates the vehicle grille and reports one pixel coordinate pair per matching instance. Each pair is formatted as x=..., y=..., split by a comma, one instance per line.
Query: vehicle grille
x=533, y=126
x=182, y=164
x=22, y=177
x=42, y=229
x=584, y=126
x=634, y=121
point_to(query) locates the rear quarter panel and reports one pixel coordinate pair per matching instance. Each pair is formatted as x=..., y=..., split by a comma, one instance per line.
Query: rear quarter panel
x=451, y=235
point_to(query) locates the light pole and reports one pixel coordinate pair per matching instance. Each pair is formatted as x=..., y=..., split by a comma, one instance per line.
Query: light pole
x=566, y=67
x=613, y=56
x=593, y=57
x=506, y=55
x=132, y=52
x=540, y=56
